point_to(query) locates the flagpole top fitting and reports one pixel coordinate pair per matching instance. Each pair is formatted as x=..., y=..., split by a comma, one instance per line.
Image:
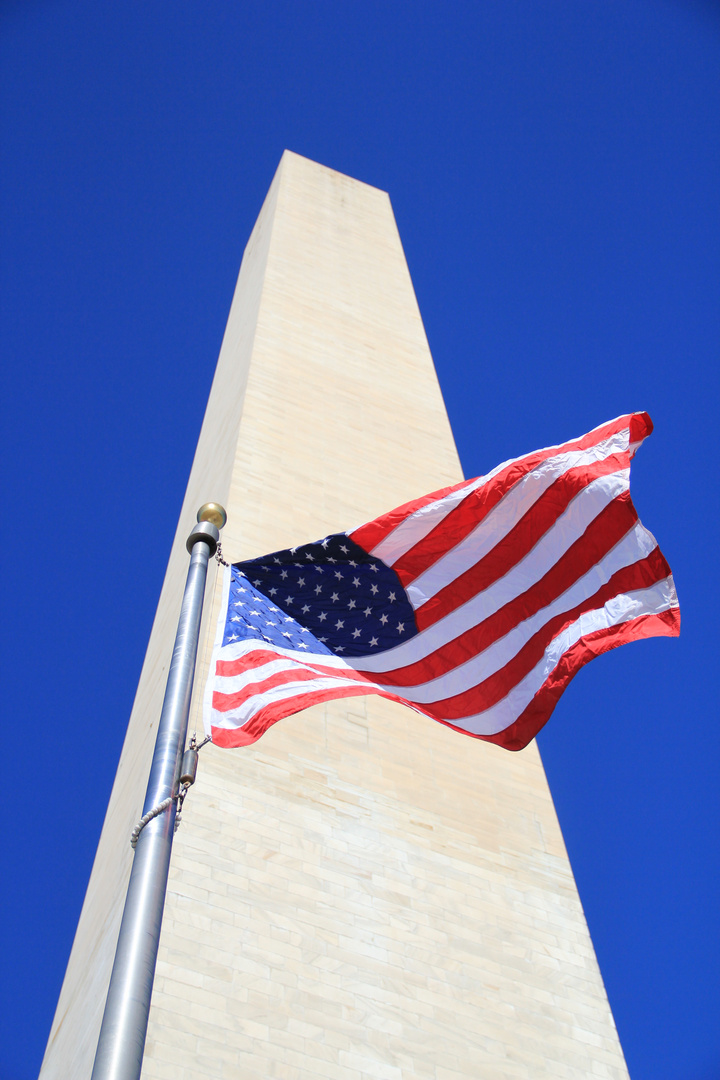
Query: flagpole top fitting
x=214, y=513
x=211, y=518
x=206, y=532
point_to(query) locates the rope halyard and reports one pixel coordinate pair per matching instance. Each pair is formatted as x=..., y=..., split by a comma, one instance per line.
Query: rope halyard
x=185, y=785
x=155, y=812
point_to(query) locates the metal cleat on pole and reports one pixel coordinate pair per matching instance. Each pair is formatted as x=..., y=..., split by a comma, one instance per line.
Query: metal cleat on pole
x=119, y=1054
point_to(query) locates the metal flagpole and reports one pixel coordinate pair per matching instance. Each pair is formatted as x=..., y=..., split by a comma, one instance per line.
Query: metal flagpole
x=120, y=1047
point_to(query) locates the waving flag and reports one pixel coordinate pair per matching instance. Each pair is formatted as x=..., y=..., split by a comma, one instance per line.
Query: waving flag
x=475, y=605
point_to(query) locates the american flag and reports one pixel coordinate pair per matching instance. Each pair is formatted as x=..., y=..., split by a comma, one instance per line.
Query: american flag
x=475, y=605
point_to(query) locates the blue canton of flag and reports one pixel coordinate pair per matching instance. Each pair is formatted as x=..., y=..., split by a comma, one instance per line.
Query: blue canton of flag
x=353, y=604
x=250, y=614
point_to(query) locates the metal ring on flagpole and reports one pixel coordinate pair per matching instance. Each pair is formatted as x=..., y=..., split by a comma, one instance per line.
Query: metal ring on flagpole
x=207, y=532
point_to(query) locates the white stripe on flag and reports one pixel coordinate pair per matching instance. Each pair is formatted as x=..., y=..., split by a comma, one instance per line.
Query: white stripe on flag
x=240, y=714
x=583, y=509
x=623, y=608
x=416, y=526
x=636, y=545
x=233, y=684
x=500, y=521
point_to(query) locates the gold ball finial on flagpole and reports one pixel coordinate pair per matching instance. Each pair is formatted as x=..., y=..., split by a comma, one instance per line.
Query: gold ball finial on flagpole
x=214, y=513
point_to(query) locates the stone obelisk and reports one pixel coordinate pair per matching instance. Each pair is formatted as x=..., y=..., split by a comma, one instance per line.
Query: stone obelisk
x=364, y=893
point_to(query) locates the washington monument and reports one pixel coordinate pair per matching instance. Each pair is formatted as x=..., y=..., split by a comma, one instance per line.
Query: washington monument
x=363, y=893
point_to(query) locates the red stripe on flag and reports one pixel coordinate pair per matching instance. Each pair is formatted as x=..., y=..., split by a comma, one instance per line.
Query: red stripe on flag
x=521, y=539
x=374, y=532
x=608, y=528
x=537, y=713
x=279, y=710
x=298, y=673
x=485, y=694
x=466, y=517
x=254, y=659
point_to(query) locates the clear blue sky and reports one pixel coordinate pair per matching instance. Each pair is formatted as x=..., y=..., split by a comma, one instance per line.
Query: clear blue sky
x=553, y=167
